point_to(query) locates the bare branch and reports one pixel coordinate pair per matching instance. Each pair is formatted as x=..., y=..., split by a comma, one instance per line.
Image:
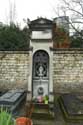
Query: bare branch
x=78, y=22
x=68, y=6
x=75, y=11
x=75, y=28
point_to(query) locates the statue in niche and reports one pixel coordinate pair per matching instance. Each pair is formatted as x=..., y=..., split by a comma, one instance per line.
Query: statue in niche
x=41, y=71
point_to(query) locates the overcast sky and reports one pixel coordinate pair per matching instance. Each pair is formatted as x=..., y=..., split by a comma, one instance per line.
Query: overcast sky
x=27, y=9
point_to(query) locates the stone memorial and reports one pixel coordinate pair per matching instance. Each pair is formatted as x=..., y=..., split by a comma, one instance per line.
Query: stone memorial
x=12, y=99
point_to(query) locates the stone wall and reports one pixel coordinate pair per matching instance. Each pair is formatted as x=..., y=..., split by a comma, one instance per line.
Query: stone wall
x=68, y=71
x=14, y=70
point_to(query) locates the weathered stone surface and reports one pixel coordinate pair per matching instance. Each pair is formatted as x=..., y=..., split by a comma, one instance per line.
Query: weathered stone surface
x=73, y=104
x=68, y=71
x=12, y=99
x=14, y=70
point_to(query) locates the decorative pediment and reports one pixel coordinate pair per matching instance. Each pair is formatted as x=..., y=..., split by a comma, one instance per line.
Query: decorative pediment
x=41, y=24
x=41, y=21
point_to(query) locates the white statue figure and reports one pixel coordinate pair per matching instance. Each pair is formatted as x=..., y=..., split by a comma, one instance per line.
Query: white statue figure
x=41, y=69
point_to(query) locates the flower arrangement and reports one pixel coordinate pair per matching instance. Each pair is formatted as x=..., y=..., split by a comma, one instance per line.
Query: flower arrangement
x=41, y=99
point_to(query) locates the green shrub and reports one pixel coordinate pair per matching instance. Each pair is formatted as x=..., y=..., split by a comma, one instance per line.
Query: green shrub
x=12, y=38
x=6, y=118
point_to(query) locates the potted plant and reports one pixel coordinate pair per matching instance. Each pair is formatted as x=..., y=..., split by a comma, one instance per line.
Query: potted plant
x=6, y=118
x=23, y=121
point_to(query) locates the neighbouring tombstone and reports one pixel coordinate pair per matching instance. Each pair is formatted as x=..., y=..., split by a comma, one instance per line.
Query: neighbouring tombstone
x=12, y=99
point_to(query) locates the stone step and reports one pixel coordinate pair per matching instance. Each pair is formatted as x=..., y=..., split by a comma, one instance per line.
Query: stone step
x=43, y=122
x=36, y=110
x=41, y=106
x=43, y=116
x=42, y=111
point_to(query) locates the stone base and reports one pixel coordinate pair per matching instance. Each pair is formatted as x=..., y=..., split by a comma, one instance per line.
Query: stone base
x=51, y=98
x=29, y=97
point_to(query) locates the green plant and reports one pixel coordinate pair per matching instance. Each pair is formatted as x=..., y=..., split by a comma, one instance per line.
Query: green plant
x=12, y=38
x=46, y=99
x=6, y=118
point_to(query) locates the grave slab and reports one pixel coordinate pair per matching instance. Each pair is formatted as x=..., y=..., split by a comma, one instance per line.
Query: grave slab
x=73, y=103
x=12, y=99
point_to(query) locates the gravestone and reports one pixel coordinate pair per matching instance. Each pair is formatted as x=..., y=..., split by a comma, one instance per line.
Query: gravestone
x=12, y=99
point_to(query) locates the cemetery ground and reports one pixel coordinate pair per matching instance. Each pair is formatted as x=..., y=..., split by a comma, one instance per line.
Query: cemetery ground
x=68, y=110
